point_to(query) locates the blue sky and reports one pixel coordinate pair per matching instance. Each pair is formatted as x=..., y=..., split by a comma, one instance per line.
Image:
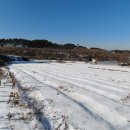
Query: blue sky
x=92, y=23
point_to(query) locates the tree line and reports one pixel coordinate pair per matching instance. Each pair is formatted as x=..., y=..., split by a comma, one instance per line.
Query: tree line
x=22, y=43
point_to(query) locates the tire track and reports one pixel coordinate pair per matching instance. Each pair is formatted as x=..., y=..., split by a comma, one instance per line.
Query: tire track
x=112, y=96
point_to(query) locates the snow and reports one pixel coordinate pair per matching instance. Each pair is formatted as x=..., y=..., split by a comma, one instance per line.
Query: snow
x=4, y=90
x=71, y=95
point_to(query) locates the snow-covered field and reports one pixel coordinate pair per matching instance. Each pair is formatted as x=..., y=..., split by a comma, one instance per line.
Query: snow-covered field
x=71, y=96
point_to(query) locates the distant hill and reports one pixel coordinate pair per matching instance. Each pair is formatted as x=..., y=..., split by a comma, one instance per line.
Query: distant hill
x=44, y=49
x=121, y=51
x=20, y=43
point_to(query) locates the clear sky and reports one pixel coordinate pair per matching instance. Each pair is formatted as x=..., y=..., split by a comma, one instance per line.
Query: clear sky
x=92, y=23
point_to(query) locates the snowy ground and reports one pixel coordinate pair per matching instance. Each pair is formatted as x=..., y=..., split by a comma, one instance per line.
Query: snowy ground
x=70, y=96
x=4, y=108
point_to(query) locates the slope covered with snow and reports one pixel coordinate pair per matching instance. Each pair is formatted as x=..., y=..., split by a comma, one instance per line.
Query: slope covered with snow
x=77, y=96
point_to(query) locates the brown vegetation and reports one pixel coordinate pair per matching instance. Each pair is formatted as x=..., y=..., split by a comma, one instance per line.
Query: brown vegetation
x=44, y=49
